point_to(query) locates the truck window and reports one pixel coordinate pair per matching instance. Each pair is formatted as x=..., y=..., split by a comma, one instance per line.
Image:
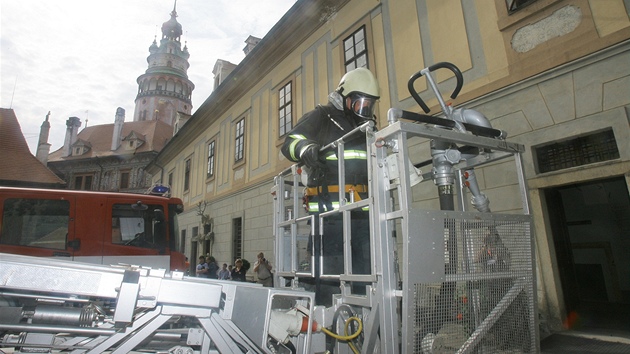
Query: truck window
x=139, y=228
x=35, y=223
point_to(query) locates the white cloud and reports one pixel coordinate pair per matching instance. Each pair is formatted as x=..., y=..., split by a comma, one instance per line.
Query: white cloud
x=82, y=58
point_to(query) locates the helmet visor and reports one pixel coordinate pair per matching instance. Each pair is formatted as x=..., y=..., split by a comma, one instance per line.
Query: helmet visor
x=363, y=106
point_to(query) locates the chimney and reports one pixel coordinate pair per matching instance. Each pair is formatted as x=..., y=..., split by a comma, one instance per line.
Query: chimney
x=72, y=129
x=43, y=147
x=118, y=125
x=251, y=43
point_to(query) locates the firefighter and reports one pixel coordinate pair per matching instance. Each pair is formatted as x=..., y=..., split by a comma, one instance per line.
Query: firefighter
x=350, y=105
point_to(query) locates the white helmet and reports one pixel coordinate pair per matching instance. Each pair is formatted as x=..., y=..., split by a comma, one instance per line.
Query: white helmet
x=361, y=87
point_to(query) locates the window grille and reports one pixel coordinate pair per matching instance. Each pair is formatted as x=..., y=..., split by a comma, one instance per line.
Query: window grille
x=584, y=150
x=237, y=238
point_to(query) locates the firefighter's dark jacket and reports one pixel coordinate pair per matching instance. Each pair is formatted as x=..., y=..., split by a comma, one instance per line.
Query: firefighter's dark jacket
x=322, y=126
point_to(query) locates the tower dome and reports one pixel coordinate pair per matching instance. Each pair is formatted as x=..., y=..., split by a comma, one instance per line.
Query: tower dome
x=154, y=47
x=172, y=29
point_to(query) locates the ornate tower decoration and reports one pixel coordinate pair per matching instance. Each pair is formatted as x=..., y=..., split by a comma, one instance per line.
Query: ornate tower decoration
x=164, y=89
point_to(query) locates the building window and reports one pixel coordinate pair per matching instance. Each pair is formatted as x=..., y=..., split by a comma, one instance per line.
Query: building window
x=237, y=238
x=83, y=182
x=170, y=180
x=211, y=154
x=239, y=140
x=285, y=109
x=124, y=180
x=584, y=150
x=355, y=50
x=515, y=5
x=187, y=175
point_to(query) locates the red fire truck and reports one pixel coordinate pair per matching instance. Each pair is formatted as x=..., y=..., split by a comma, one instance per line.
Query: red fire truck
x=92, y=227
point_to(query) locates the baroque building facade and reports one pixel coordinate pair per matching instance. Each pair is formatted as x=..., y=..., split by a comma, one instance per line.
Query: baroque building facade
x=553, y=74
x=112, y=157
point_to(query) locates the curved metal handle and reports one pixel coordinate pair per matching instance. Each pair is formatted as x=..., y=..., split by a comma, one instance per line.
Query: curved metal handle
x=413, y=92
x=440, y=65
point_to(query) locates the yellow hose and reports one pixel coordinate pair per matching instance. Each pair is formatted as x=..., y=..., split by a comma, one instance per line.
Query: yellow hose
x=347, y=338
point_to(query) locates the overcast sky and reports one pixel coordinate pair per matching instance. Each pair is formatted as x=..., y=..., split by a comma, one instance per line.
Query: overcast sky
x=82, y=57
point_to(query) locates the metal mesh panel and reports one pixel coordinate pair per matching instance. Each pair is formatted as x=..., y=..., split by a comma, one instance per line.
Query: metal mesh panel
x=484, y=304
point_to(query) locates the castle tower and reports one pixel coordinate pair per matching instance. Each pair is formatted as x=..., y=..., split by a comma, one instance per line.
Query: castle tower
x=164, y=89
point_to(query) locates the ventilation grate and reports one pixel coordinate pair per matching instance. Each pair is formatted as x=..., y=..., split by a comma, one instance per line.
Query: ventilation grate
x=580, y=151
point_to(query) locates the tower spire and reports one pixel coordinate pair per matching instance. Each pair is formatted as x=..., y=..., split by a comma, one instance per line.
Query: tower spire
x=171, y=29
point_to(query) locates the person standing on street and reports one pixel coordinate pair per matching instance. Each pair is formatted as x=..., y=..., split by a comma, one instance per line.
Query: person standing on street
x=213, y=268
x=238, y=273
x=202, y=268
x=262, y=268
x=224, y=273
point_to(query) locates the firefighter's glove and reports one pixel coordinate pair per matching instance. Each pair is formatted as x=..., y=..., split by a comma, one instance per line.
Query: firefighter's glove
x=310, y=158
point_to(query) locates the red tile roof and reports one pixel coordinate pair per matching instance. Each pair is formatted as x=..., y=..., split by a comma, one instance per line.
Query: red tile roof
x=99, y=137
x=18, y=165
